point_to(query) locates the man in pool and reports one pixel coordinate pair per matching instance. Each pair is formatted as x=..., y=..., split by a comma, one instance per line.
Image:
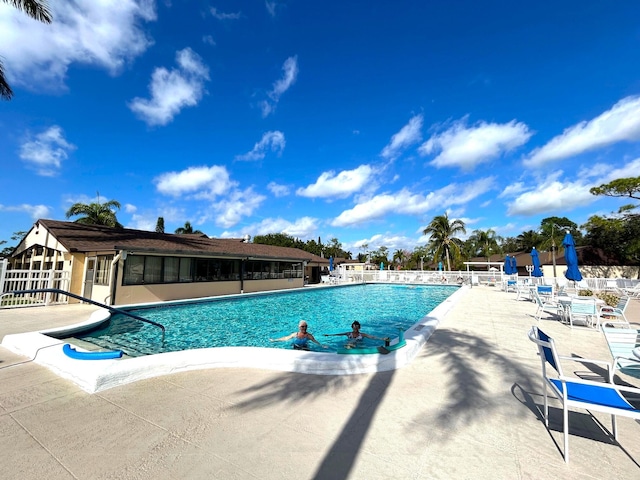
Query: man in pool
x=355, y=335
x=300, y=338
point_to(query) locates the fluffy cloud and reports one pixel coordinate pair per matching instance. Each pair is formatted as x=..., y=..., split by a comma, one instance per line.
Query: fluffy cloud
x=270, y=140
x=290, y=73
x=408, y=203
x=620, y=123
x=341, y=185
x=552, y=195
x=207, y=182
x=173, y=90
x=224, y=16
x=235, y=206
x=277, y=189
x=465, y=147
x=407, y=136
x=103, y=34
x=46, y=151
x=34, y=211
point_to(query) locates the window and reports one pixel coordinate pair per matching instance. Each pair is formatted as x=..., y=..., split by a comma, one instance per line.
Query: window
x=103, y=268
x=186, y=270
x=153, y=270
x=171, y=269
x=133, y=270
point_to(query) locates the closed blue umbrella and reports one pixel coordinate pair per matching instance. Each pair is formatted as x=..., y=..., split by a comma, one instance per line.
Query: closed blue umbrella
x=514, y=265
x=381, y=265
x=571, y=258
x=331, y=264
x=536, y=263
x=507, y=265
x=440, y=266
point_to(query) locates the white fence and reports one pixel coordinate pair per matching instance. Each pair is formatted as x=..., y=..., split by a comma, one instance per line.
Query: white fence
x=13, y=280
x=478, y=277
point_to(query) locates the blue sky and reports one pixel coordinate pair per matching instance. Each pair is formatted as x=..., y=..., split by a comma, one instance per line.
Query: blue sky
x=360, y=120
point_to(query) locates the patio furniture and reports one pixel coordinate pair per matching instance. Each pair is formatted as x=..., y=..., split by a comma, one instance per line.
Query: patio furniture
x=584, y=309
x=575, y=392
x=616, y=314
x=623, y=344
x=547, y=305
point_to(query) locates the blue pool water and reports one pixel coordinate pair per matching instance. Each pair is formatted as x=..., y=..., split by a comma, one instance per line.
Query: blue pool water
x=381, y=309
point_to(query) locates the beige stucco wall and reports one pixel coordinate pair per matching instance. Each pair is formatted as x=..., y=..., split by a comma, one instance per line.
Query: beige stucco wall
x=594, y=272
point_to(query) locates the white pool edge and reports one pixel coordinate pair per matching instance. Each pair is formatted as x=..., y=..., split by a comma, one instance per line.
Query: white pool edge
x=97, y=375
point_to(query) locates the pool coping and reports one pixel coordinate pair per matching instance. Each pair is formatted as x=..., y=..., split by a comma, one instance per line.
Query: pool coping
x=97, y=375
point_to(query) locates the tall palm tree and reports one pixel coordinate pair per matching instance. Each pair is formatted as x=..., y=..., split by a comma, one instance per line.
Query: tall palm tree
x=399, y=257
x=96, y=213
x=160, y=225
x=37, y=9
x=486, y=242
x=187, y=229
x=442, y=239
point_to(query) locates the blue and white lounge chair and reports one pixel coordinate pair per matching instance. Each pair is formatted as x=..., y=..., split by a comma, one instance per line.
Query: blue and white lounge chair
x=577, y=393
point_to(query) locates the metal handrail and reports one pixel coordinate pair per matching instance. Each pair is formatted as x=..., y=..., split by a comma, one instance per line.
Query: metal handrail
x=78, y=297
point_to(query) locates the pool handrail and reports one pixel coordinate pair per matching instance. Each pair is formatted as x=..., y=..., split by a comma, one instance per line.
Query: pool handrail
x=84, y=299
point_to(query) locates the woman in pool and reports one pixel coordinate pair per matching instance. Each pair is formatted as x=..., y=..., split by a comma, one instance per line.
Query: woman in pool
x=355, y=335
x=300, y=338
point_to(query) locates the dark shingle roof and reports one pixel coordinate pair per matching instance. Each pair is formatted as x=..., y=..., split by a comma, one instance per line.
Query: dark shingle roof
x=77, y=237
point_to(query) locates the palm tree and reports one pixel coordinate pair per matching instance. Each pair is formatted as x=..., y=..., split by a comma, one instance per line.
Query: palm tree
x=528, y=240
x=399, y=257
x=442, y=238
x=486, y=242
x=37, y=9
x=187, y=229
x=96, y=213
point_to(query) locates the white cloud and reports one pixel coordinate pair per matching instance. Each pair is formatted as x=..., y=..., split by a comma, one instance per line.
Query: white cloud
x=46, y=151
x=271, y=7
x=551, y=195
x=35, y=211
x=407, y=203
x=209, y=182
x=173, y=90
x=224, y=16
x=208, y=39
x=278, y=190
x=270, y=140
x=130, y=208
x=235, y=206
x=303, y=228
x=620, y=123
x=290, y=73
x=341, y=185
x=103, y=34
x=407, y=136
x=466, y=147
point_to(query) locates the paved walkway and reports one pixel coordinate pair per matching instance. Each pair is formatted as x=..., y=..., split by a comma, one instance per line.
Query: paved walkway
x=465, y=408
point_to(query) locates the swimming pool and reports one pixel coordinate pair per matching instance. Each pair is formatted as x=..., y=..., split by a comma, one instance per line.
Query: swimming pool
x=46, y=348
x=382, y=310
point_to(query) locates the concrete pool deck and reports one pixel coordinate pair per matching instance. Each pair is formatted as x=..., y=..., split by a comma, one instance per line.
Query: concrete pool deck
x=465, y=407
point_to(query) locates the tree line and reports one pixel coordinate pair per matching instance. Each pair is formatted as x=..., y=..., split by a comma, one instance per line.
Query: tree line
x=617, y=235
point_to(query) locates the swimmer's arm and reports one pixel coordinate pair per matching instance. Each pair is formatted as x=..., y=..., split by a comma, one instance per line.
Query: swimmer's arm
x=336, y=334
x=282, y=339
x=372, y=337
x=313, y=339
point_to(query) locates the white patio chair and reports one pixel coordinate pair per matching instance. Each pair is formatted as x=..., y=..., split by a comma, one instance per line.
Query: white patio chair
x=583, y=309
x=547, y=305
x=577, y=393
x=616, y=314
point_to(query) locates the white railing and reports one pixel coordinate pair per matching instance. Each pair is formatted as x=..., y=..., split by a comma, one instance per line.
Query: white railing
x=473, y=278
x=15, y=280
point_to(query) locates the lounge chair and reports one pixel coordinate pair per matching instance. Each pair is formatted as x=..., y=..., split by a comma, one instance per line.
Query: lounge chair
x=547, y=305
x=616, y=314
x=632, y=291
x=578, y=393
x=622, y=342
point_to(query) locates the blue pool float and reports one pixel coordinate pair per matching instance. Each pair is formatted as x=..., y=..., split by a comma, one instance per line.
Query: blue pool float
x=71, y=352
